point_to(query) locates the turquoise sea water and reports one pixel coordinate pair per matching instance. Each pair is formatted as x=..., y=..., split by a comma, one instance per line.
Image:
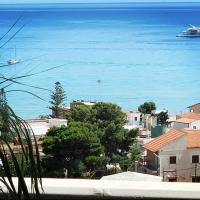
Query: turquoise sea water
x=131, y=48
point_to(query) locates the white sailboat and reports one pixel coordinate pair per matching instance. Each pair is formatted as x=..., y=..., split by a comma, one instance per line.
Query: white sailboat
x=14, y=60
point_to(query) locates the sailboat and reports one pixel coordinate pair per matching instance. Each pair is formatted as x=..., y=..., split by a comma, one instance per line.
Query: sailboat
x=14, y=60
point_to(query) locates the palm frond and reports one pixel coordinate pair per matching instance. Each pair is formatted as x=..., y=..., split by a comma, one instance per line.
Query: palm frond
x=12, y=26
x=28, y=156
x=27, y=93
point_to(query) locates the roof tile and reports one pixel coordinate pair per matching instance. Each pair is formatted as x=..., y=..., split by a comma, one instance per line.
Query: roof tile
x=190, y=115
x=193, y=139
x=186, y=120
x=164, y=139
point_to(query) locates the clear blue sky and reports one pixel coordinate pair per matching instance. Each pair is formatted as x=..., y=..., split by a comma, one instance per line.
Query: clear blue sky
x=89, y=1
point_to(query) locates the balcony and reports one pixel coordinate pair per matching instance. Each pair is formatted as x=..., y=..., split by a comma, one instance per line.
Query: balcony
x=75, y=189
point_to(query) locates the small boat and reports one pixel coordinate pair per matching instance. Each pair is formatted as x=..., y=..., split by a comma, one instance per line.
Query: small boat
x=13, y=61
x=193, y=31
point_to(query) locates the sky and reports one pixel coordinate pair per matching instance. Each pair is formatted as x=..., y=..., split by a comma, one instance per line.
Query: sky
x=88, y=1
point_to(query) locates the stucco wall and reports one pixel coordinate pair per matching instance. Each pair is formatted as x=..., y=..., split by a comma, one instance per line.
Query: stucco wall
x=179, y=125
x=196, y=123
x=183, y=167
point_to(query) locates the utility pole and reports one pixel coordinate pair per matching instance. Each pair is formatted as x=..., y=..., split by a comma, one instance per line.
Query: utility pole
x=136, y=166
x=195, y=173
x=163, y=174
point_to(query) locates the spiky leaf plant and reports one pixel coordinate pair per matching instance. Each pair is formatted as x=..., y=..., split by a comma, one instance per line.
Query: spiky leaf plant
x=13, y=130
x=23, y=162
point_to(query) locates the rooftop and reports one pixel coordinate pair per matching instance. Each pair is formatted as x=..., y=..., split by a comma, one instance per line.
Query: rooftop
x=193, y=139
x=186, y=120
x=190, y=115
x=193, y=105
x=132, y=176
x=164, y=139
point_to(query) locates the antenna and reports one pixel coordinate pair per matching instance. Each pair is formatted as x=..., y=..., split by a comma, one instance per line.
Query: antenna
x=192, y=26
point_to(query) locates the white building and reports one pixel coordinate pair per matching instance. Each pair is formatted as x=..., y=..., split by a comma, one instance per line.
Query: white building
x=133, y=119
x=186, y=123
x=175, y=155
x=41, y=126
x=187, y=120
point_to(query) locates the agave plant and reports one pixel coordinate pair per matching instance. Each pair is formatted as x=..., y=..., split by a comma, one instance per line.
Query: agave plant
x=14, y=130
x=25, y=161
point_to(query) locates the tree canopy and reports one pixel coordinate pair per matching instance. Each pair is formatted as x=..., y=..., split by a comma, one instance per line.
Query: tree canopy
x=162, y=118
x=73, y=144
x=147, y=107
x=94, y=136
x=57, y=99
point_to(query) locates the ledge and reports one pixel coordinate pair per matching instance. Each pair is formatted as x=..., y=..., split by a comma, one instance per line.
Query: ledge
x=107, y=189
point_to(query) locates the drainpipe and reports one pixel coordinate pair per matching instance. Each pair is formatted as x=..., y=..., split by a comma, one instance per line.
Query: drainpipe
x=158, y=162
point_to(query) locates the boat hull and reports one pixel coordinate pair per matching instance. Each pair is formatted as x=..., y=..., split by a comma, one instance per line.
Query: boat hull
x=189, y=36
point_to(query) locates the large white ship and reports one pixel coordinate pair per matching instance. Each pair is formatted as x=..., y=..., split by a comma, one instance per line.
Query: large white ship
x=193, y=31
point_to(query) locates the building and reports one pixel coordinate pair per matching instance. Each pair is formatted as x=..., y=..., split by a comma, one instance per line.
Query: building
x=186, y=123
x=188, y=120
x=82, y=102
x=134, y=119
x=64, y=109
x=195, y=108
x=189, y=115
x=175, y=155
x=41, y=126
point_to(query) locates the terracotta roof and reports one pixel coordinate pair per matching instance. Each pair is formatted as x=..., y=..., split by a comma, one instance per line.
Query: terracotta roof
x=193, y=138
x=164, y=139
x=186, y=120
x=190, y=115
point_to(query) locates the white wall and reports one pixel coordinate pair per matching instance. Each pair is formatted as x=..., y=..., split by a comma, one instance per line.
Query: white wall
x=57, y=122
x=40, y=127
x=179, y=125
x=131, y=117
x=108, y=189
x=183, y=165
x=196, y=123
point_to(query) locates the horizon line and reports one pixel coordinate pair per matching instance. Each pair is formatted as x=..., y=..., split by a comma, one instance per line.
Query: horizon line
x=128, y=2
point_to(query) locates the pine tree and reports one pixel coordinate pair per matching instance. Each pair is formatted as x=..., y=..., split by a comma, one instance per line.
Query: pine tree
x=57, y=99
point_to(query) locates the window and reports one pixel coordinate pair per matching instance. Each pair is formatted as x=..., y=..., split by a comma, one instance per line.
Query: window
x=172, y=159
x=194, y=127
x=196, y=179
x=135, y=118
x=174, y=179
x=195, y=159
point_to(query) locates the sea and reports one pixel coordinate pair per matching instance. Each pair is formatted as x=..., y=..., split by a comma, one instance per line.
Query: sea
x=121, y=53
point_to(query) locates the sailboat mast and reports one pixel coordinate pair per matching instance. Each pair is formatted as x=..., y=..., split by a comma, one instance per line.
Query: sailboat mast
x=15, y=52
